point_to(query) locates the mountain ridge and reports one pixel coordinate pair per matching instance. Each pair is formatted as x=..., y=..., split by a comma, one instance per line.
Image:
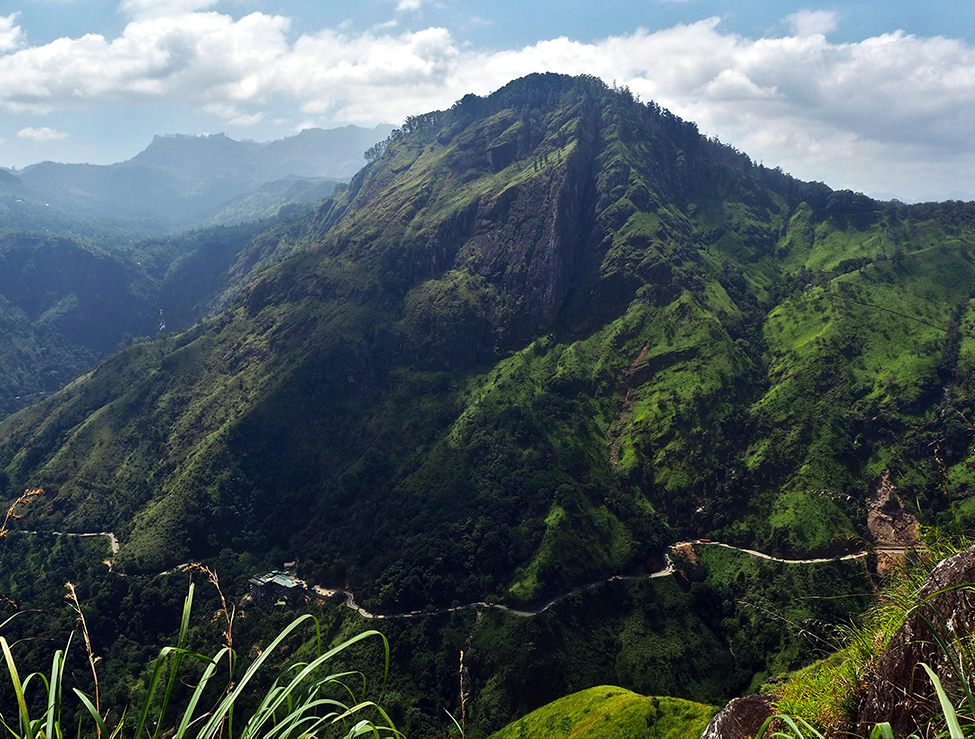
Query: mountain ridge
x=181, y=181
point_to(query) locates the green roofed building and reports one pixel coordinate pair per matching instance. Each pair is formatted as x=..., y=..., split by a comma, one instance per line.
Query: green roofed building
x=276, y=585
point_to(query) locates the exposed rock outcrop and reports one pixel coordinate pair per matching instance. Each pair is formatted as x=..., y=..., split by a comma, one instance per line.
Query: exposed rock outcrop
x=892, y=526
x=900, y=691
x=740, y=719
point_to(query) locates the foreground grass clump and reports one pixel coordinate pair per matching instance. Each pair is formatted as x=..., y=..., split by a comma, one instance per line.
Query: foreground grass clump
x=828, y=692
x=304, y=699
x=606, y=712
x=824, y=698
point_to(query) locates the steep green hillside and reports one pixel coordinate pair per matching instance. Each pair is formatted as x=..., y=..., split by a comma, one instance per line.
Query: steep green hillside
x=201, y=271
x=64, y=305
x=543, y=335
x=605, y=712
x=566, y=310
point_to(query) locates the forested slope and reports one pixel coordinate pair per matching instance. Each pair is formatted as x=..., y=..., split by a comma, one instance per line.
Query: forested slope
x=546, y=333
x=66, y=303
x=63, y=306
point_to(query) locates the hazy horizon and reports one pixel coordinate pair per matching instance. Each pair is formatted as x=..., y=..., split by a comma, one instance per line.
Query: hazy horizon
x=189, y=135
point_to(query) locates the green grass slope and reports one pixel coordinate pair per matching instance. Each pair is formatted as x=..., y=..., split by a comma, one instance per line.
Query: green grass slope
x=864, y=375
x=607, y=712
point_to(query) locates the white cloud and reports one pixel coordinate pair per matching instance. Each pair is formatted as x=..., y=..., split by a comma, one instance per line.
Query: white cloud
x=222, y=110
x=200, y=58
x=41, y=135
x=12, y=36
x=403, y=6
x=245, y=119
x=882, y=113
x=373, y=77
x=233, y=115
x=163, y=8
x=812, y=22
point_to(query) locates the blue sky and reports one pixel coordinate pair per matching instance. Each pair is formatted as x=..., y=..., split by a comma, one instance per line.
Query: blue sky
x=872, y=96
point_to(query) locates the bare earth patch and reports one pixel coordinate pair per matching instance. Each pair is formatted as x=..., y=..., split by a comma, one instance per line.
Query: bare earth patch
x=891, y=526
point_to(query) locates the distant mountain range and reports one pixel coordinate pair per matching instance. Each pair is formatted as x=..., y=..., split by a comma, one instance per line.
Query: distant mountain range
x=336, y=153
x=180, y=181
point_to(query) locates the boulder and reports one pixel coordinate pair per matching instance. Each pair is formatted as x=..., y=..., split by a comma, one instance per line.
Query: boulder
x=900, y=691
x=740, y=719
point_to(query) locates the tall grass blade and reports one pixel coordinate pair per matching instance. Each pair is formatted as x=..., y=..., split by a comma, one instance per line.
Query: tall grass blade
x=177, y=653
x=53, y=718
x=806, y=732
x=947, y=709
x=198, y=693
x=227, y=704
x=99, y=721
x=158, y=666
x=273, y=701
x=18, y=687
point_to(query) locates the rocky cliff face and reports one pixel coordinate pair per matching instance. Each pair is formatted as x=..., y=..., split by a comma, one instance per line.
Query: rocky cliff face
x=551, y=193
x=499, y=190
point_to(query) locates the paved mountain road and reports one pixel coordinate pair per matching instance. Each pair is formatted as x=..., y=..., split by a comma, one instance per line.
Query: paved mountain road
x=667, y=570
x=483, y=605
x=111, y=537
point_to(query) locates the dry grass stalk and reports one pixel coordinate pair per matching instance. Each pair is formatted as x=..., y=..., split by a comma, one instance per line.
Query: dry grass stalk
x=72, y=597
x=12, y=514
x=463, y=696
x=227, y=613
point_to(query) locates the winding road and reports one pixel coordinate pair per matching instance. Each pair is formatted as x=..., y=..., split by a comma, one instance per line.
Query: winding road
x=484, y=605
x=109, y=534
x=667, y=570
